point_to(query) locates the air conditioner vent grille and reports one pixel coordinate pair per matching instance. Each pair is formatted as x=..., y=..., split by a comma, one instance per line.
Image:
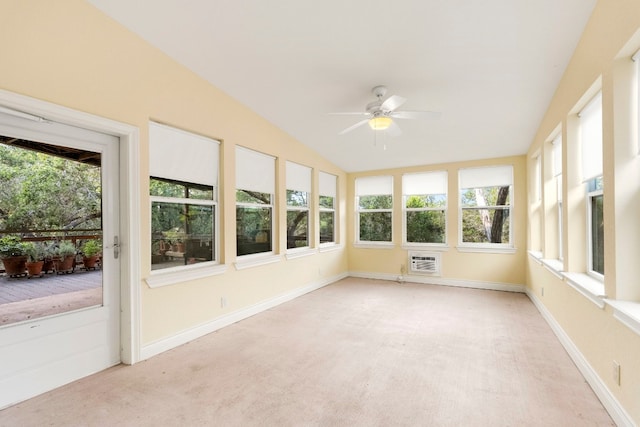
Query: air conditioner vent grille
x=424, y=263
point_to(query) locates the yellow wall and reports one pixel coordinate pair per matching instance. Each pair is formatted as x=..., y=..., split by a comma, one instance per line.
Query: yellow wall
x=601, y=61
x=71, y=54
x=501, y=268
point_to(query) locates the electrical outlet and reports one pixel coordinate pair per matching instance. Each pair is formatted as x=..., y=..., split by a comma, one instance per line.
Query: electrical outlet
x=542, y=291
x=616, y=372
x=223, y=302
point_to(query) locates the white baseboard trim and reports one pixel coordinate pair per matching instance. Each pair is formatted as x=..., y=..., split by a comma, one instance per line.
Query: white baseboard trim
x=611, y=404
x=430, y=280
x=191, y=334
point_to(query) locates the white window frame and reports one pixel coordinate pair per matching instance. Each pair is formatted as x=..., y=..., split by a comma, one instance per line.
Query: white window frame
x=590, y=196
x=197, y=164
x=385, y=181
x=328, y=187
x=438, y=179
x=591, y=146
x=556, y=153
x=298, y=179
x=255, y=171
x=486, y=247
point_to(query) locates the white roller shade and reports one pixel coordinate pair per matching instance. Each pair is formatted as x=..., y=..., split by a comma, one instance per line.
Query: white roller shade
x=424, y=183
x=374, y=185
x=591, y=138
x=298, y=177
x=255, y=171
x=182, y=156
x=556, y=154
x=327, y=184
x=492, y=176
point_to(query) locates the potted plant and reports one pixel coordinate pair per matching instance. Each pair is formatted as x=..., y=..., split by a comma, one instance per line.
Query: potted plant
x=90, y=252
x=14, y=256
x=65, y=256
x=35, y=252
x=49, y=250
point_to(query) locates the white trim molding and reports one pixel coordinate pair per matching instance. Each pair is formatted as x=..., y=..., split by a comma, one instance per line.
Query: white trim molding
x=129, y=135
x=589, y=287
x=430, y=280
x=611, y=404
x=159, y=278
x=627, y=313
x=554, y=266
x=195, y=332
x=487, y=249
x=300, y=252
x=250, y=261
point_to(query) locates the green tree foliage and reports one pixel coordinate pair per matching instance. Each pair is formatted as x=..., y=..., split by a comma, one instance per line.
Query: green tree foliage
x=40, y=191
x=426, y=226
x=484, y=219
x=297, y=219
x=375, y=225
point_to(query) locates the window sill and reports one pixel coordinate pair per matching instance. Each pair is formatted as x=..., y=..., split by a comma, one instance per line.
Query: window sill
x=161, y=278
x=536, y=255
x=436, y=247
x=488, y=249
x=299, y=253
x=328, y=247
x=555, y=266
x=627, y=312
x=374, y=245
x=255, y=261
x=591, y=288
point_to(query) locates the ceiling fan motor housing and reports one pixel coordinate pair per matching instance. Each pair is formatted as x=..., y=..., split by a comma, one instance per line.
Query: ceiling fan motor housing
x=374, y=108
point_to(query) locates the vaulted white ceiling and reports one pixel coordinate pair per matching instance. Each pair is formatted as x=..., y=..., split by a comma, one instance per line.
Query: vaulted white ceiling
x=491, y=67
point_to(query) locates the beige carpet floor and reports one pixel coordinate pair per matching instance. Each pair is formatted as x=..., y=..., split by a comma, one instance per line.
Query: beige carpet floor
x=355, y=353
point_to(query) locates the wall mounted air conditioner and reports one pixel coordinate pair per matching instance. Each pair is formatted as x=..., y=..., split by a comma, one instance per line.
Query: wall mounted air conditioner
x=424, y=263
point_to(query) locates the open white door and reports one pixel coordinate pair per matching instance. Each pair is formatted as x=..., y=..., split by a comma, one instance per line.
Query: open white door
x=45, y=352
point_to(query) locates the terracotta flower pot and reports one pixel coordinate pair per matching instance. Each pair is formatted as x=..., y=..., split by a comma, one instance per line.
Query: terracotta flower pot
x=90, y=262
x=15, y=266
x=64, y=265
x=34, y=269
x=48, y=265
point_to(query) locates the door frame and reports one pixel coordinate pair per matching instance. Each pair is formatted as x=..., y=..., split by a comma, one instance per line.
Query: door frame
x=129, y=215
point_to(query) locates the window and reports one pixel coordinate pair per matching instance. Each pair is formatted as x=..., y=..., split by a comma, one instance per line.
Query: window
x=327, y=202
x=374, y=209
x=255, y=189
x=183, y=192
x=485, y=201
x=298, y=193
x=596, y=226
x=425, y=207
x=556, y=153
x=591, y=146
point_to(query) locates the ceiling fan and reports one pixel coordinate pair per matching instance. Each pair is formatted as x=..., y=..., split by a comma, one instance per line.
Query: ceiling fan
x=381, y=114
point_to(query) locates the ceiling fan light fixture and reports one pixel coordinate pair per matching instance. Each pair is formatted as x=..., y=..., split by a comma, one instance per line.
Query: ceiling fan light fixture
x=380, y=123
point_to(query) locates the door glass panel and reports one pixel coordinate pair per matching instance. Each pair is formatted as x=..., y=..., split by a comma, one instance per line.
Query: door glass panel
x=50, y=229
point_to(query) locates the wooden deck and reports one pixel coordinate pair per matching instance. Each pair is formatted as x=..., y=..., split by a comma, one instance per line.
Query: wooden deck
x=24, y=299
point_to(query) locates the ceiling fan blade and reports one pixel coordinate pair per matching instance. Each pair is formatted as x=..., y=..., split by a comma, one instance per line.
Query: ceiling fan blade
x=392, y=103
x=363, y=113
x=394, y=129
x=415, y=114
x=350, y=128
